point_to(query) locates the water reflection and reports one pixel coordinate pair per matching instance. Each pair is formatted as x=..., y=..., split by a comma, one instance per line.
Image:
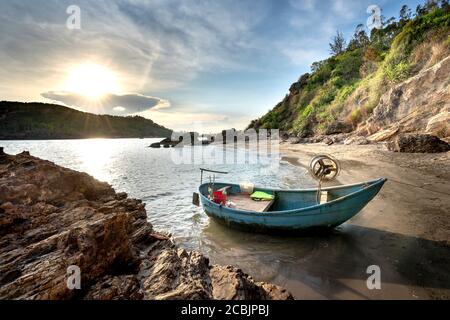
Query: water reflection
x=166, y=188
x=95, y=156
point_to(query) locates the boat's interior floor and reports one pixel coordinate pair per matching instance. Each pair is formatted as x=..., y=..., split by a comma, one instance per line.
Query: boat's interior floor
x=244, y=202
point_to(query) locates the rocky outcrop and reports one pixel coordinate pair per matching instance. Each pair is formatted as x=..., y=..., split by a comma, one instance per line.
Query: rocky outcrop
x=296, y=87
x=52, y=218
x=419, y=105
x=439, y=125
x=339, y=127
x=356, y=141
x=418, y=143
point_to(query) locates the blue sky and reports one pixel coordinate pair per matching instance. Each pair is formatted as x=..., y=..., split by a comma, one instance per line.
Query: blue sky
x=202, y=65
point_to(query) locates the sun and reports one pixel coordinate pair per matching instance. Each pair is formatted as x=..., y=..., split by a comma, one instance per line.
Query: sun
x=92, y=81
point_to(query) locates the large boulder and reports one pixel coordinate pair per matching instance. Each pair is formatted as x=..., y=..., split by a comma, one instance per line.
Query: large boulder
x=284, y=136
x=338, y=127
x=439, y=125
x=418, y=143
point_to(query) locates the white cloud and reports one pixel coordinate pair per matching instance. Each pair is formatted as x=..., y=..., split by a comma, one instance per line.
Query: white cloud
x=154, y=45
x=306, y=5
x=109, y=104
x=119, y=109
x=344, y=9
x=302, y=56
x=205, y=122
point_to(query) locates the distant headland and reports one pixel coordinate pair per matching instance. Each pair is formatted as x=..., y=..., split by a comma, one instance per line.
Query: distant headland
x=35, y=121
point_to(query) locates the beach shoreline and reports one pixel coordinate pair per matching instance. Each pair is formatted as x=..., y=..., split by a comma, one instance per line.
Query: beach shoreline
x=405, y=229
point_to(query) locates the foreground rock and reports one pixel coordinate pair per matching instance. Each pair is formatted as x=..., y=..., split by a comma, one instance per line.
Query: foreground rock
x=418, y=143
x=52, y=217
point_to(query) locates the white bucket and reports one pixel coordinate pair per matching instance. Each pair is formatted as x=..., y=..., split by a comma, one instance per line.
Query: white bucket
x=247, y=187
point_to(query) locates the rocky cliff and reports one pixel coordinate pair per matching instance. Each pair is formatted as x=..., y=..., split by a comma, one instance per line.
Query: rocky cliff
x=392, y=82
x=52, y=218
x=420, y=104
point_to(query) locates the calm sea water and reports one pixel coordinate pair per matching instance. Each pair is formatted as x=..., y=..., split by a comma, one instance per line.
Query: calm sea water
x=166, y=188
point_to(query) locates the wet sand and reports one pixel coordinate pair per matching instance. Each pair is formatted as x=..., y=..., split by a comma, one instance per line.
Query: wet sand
x=405, y=230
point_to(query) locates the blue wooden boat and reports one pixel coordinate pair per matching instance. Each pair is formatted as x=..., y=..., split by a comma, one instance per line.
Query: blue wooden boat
x=291, y=210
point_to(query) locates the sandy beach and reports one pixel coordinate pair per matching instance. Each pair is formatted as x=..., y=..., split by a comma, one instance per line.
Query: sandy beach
x=405, y=230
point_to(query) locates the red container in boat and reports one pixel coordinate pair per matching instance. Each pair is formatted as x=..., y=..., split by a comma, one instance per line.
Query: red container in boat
x=219, y=197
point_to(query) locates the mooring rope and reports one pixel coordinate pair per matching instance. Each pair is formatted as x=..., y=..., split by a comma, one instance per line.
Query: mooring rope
x=412, y=185
x=319, y=191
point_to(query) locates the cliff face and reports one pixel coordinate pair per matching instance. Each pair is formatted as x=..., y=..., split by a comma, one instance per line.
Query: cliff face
x=52, y=217
x=393, y=81
x=420, y=104
x=49, y=121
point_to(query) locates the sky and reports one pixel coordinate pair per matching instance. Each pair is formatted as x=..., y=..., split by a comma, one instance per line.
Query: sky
x=188, y=65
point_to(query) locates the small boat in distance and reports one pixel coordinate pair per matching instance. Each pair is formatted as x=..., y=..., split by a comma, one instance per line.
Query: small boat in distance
x=286, y=210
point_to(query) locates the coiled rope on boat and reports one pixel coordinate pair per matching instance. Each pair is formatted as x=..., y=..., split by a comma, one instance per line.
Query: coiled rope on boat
x=324, y=168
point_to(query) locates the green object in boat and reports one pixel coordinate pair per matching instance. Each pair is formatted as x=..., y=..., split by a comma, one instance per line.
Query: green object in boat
x=262, y=196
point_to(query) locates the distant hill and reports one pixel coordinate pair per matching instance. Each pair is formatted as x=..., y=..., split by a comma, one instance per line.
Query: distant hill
x=49, y=121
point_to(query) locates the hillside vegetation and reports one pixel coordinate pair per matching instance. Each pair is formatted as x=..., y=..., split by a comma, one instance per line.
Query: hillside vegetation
x=48, y=121
x=345, y=88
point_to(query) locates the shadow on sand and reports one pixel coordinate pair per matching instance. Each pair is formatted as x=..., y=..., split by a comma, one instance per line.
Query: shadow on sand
x=330, y=264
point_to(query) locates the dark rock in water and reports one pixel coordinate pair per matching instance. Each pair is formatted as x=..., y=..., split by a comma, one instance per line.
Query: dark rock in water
x=155, y=145
x=339, y=127
x=418, y=143
x=166, y=143
x=52, y=218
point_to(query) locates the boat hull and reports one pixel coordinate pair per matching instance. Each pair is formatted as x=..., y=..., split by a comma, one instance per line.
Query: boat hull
x=310, y=218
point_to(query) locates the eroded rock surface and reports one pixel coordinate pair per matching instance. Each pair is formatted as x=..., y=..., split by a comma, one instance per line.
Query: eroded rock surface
x=420, y=104
x=52, y=217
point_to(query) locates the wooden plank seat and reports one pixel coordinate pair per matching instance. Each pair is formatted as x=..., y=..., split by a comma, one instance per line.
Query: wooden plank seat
x=244, y=202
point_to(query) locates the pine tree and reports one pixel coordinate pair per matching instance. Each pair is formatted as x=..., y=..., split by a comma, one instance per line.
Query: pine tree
x=405, y=13
x=338, y=43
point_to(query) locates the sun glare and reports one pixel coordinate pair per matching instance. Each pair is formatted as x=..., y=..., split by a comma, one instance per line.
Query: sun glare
x=92, y=81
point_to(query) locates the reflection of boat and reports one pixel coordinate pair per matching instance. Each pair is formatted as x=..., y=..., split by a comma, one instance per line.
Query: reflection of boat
x=290, y=210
